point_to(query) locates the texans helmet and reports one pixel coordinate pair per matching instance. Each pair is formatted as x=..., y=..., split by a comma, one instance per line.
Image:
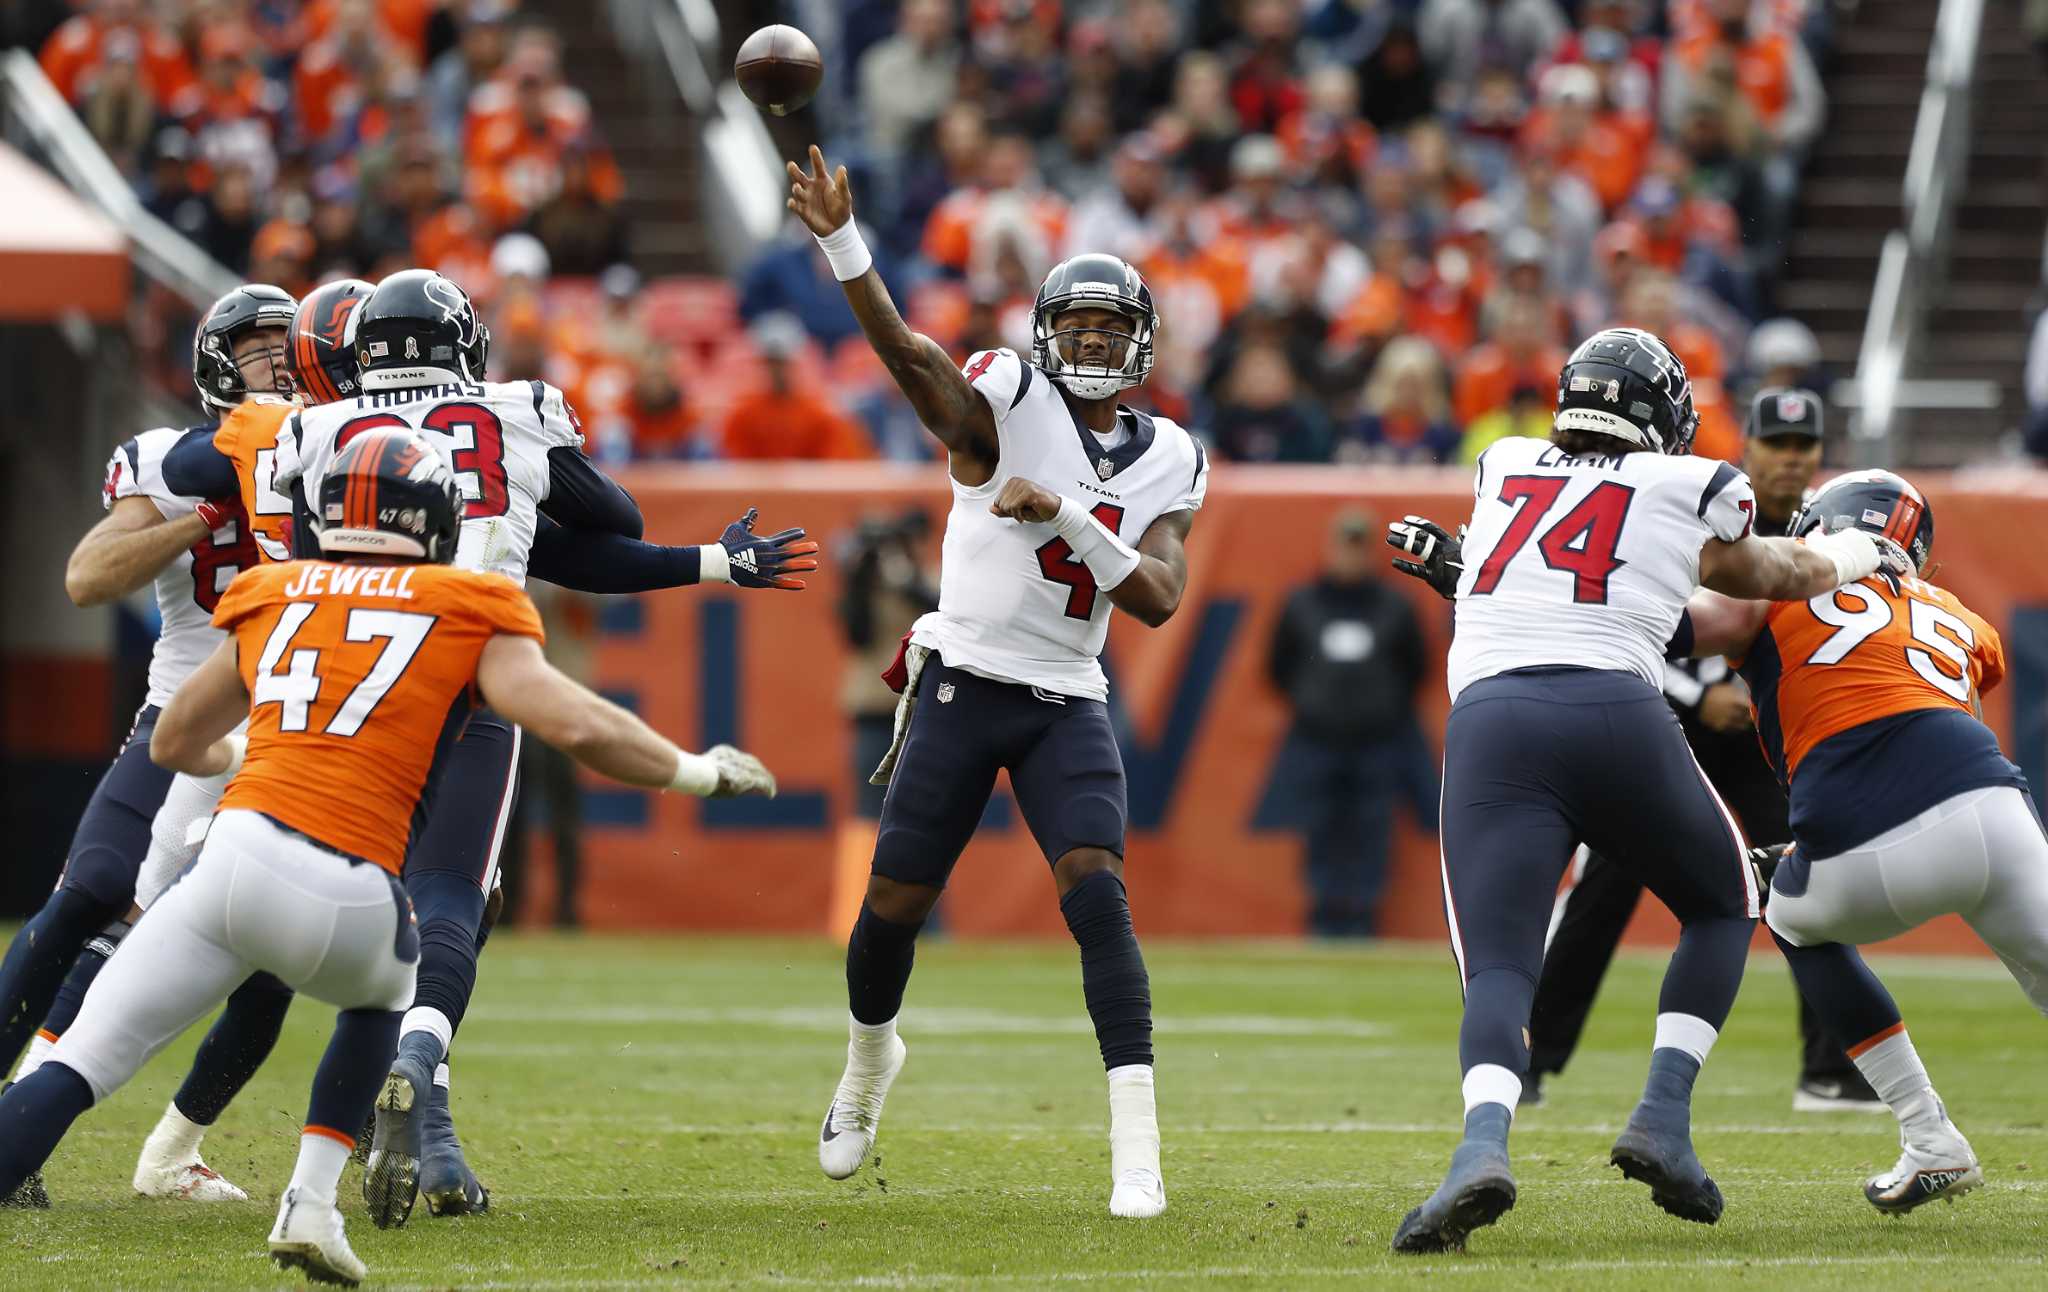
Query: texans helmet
x=317, y=353
x=1877, y=501
x=418, y=328
x=1626, y=383
x=391, y=494
x=243, y=310
x=1094, y=281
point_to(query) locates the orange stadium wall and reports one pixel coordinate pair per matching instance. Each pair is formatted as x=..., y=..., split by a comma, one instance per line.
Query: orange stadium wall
x=1200, y=724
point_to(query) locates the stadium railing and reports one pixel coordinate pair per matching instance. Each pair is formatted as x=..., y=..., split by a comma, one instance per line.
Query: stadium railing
x=742, y=196
x=1912, y=268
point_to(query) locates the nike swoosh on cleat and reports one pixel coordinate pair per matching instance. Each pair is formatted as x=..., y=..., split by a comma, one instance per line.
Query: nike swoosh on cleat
x=825, y=1133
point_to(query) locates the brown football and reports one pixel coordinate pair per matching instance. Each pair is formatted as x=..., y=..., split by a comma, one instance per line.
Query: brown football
x=779, y=69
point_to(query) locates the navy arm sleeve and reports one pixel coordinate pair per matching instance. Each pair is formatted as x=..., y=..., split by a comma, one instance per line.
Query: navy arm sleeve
x=588, y=560
x=305, y=535
x=1679, y=648
x=581, y=496
x=195, y=469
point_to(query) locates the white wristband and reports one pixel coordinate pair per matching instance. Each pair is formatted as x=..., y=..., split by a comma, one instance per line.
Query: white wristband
x=695, y=774
x=1107, y=557
x=238, y=745
x=846, y=251
x=714, y=564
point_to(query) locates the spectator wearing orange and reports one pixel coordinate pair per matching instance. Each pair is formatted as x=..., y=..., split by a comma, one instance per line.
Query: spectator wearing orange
x=1652, y=304
x=1009, y=170
x=283, y=254
x=402, y=24
x=1522, y=352
x=1443, y=299
x=662, y=421
x=1374, y=314
x=1327, y=139
x=1570, y=123
x=76, y=50
x=516, y=150
x=781, y=420
x=1258, y=212
x=1759, y=58
x=117, y=104
x=232, y=109
x=476, y=58
x=328, y=79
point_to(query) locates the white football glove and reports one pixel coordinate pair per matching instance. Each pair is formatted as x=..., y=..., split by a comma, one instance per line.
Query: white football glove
x=1858, y=554
x=739, y=773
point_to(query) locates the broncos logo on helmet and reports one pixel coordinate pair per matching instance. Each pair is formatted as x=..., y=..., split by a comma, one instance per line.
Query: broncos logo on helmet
x=317, y=351
x=1881, y=502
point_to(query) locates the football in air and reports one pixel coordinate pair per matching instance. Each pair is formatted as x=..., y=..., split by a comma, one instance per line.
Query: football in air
x=779, y=69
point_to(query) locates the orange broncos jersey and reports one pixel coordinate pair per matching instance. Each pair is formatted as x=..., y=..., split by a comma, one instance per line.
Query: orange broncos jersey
x=358, y=676
x=248, y=438
x=1862, y=653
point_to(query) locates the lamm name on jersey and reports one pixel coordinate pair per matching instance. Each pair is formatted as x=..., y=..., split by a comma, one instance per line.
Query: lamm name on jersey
x=1015, y=603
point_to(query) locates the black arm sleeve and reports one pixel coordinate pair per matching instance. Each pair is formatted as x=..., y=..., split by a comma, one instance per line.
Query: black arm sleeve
x=196, y=469
x=1680, y=646
x=581, y=496
x=589, y=560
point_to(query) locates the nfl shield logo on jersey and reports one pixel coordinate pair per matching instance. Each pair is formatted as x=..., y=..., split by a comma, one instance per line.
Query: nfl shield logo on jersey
x=1104, y=468
x=945, y=693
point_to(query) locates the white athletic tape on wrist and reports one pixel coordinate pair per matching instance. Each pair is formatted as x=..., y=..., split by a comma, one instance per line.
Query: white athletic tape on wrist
x=237, y=747
x=1107, y=557
x=845, y=250
x=714, y=564
x=1856, y=554
x=695, y=774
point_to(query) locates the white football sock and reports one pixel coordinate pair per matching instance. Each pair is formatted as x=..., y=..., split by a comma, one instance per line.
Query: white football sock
x=1490, y=1083
x=441, y=1075
x=39, y=1048
x=1686, y=1033
x=871, y=1041
x=1133, y=1120
x=176, y=1136
x=321, y=1157
x=425, y=1018
x=1893, y=1069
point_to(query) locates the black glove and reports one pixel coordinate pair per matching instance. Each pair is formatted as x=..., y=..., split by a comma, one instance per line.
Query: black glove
x=766, y=561
x=1440, y=557
x=1765, y=861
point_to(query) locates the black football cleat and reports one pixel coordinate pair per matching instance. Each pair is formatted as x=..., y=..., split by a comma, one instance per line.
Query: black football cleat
x=391, y=1179
x=1661, y=1156
x=30, y=1195
x=446, y=1182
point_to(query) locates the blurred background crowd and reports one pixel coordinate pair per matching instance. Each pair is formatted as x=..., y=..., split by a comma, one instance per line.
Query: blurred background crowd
x=1373, y=227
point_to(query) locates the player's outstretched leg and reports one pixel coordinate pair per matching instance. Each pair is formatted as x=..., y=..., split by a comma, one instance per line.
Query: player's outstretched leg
x=878, y=961
x=239, y=1042
x=1479, y=1188
x=33, y=1194
x=309, y=1235
x=446, y=1182
x=391, y=1177
x=1935, y=1161
x=1119, y=995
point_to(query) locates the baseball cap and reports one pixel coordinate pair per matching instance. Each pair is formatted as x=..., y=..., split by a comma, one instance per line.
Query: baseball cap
x=1785, y=410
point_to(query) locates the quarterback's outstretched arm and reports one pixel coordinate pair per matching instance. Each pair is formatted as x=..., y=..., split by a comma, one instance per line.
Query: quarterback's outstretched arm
x=130, y=546
x=517, y=681
x=936, y=388
x=1784, y=569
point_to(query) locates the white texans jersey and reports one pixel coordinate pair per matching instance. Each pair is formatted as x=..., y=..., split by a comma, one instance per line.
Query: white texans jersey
x=189, y=587
x=1015, y=603
x=497, y=434
x=1586, y=562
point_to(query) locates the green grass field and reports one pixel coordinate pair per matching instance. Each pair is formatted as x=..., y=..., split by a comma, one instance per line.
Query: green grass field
x=645, y=1113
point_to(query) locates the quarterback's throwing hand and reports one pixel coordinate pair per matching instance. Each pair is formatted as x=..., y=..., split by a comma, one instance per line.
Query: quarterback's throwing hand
x=766, y=560
x=739, y=773
x=1020, y=499
x=819, y=197
x=1439, y=555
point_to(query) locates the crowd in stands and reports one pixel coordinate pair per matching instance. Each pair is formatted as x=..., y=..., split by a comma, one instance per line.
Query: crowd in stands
x=1373, y=227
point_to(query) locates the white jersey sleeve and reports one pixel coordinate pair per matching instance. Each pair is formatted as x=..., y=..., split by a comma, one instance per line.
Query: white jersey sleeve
x=1728, y=504
x=1001, y=378
x=136, y=470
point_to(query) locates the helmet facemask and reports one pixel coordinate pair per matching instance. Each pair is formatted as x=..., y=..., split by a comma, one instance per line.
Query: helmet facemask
x=1125, y=362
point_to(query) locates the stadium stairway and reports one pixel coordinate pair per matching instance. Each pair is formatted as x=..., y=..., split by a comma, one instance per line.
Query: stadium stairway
x=650, y=133
x=1851, y=198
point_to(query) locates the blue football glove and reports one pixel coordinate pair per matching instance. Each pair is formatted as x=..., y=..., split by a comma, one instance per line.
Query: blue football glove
x=766, y=560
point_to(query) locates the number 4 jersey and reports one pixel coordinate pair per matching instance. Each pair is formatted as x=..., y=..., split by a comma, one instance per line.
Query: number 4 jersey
x=497, y=434
x=1015, y=603
x=359, y=677
x=1586, y=562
